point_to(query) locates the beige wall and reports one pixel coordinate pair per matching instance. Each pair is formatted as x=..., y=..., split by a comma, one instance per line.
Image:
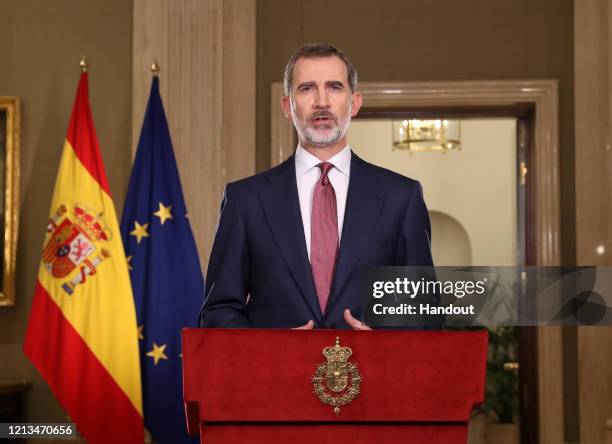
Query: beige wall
x=40, y=47
x=484, y=171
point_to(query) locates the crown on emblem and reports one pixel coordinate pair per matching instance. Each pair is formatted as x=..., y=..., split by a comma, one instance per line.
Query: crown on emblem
x=90, y=223
x=337, y=353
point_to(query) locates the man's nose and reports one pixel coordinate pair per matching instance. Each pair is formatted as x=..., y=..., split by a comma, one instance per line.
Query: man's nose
x=321, y=100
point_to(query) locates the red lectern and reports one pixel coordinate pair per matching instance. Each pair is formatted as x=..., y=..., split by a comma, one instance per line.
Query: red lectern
x=257, y=385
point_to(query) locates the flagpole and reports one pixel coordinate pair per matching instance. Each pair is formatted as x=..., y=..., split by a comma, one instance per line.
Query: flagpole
x=155, y=68
x=83, y=64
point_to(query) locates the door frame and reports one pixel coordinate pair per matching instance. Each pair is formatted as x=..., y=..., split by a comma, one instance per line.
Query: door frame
x=543, y=181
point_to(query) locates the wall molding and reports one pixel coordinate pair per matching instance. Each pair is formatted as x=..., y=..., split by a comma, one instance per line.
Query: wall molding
x=593, y=157
x=206, y=51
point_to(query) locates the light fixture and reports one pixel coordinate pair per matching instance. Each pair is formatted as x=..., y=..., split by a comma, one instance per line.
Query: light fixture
x=416, y=135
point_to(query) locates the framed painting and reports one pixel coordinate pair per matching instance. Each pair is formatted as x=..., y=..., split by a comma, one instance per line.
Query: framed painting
x=9, y=196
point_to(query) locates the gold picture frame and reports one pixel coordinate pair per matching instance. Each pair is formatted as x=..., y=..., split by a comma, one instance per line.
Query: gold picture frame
x=9, y=202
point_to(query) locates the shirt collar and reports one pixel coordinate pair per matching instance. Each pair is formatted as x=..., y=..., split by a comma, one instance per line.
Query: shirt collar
x=304, y=161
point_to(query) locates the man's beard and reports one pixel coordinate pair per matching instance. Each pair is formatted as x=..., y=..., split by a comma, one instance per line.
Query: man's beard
x=320, y=137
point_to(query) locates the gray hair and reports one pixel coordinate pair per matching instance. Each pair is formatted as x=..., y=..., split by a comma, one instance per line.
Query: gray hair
x=316, y=50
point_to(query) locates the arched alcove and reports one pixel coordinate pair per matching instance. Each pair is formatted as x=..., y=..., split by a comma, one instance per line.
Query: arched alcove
x=450, y=243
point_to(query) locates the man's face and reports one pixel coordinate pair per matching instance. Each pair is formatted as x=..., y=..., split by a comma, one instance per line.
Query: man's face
x=321, y=103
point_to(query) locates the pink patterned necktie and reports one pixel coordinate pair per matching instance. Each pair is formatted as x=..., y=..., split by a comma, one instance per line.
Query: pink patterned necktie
x=323, y=235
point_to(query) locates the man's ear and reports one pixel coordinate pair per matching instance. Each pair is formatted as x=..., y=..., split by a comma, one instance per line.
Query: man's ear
x=356, y=101
x=286, y=104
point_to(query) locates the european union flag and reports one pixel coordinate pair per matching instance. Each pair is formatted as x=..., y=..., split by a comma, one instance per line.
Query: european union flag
x=165, y=270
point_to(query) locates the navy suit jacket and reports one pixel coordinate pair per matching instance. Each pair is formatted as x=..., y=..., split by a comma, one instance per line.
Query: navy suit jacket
x=259, y=273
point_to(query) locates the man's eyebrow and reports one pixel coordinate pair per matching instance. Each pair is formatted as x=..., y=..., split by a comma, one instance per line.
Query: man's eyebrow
x=310, y=83
x=334, y=83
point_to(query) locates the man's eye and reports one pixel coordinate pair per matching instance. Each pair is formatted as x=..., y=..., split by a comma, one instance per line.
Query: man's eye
x=336, y=87
x=305, y=88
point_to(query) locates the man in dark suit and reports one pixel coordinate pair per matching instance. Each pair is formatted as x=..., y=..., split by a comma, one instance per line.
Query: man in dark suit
x=292, y=241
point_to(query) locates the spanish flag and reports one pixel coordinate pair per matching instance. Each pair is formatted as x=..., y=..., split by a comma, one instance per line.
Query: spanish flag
x=82, y=333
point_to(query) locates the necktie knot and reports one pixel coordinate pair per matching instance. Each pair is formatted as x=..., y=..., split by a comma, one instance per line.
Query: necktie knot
x=325, y=167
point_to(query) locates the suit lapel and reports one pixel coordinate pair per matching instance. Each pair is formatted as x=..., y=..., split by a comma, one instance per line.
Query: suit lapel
x=282, y=208
x=363, y=208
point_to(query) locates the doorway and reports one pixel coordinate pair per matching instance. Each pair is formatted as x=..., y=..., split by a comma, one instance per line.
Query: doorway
x=534, y=104
x=472, y=192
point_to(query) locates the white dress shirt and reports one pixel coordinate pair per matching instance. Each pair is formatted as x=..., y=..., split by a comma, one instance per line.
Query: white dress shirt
x=307, y=174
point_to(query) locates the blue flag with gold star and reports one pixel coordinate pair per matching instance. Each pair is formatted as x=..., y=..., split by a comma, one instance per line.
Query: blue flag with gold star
x=165, y=271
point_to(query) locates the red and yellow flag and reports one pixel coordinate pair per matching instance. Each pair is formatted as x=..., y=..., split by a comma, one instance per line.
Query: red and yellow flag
x=82, y=333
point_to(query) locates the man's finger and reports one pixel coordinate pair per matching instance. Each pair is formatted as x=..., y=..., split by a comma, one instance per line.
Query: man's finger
x=355, y=324
x=307, y=326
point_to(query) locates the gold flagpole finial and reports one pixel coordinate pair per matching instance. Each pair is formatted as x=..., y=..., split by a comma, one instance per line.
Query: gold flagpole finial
x=83, y=64
x=155, y=68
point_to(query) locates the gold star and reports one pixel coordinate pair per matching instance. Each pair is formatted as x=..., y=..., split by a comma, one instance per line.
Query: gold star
x=129, y=261
x=140, y=335
x=164, y=213
x=139, y=231
x=158, y=352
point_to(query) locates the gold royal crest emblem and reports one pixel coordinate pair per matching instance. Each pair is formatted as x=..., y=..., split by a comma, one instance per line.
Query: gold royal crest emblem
x=337, y=382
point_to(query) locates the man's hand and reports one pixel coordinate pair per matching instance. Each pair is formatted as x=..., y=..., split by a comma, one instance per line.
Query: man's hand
x=355, y=324
x=307, y=326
